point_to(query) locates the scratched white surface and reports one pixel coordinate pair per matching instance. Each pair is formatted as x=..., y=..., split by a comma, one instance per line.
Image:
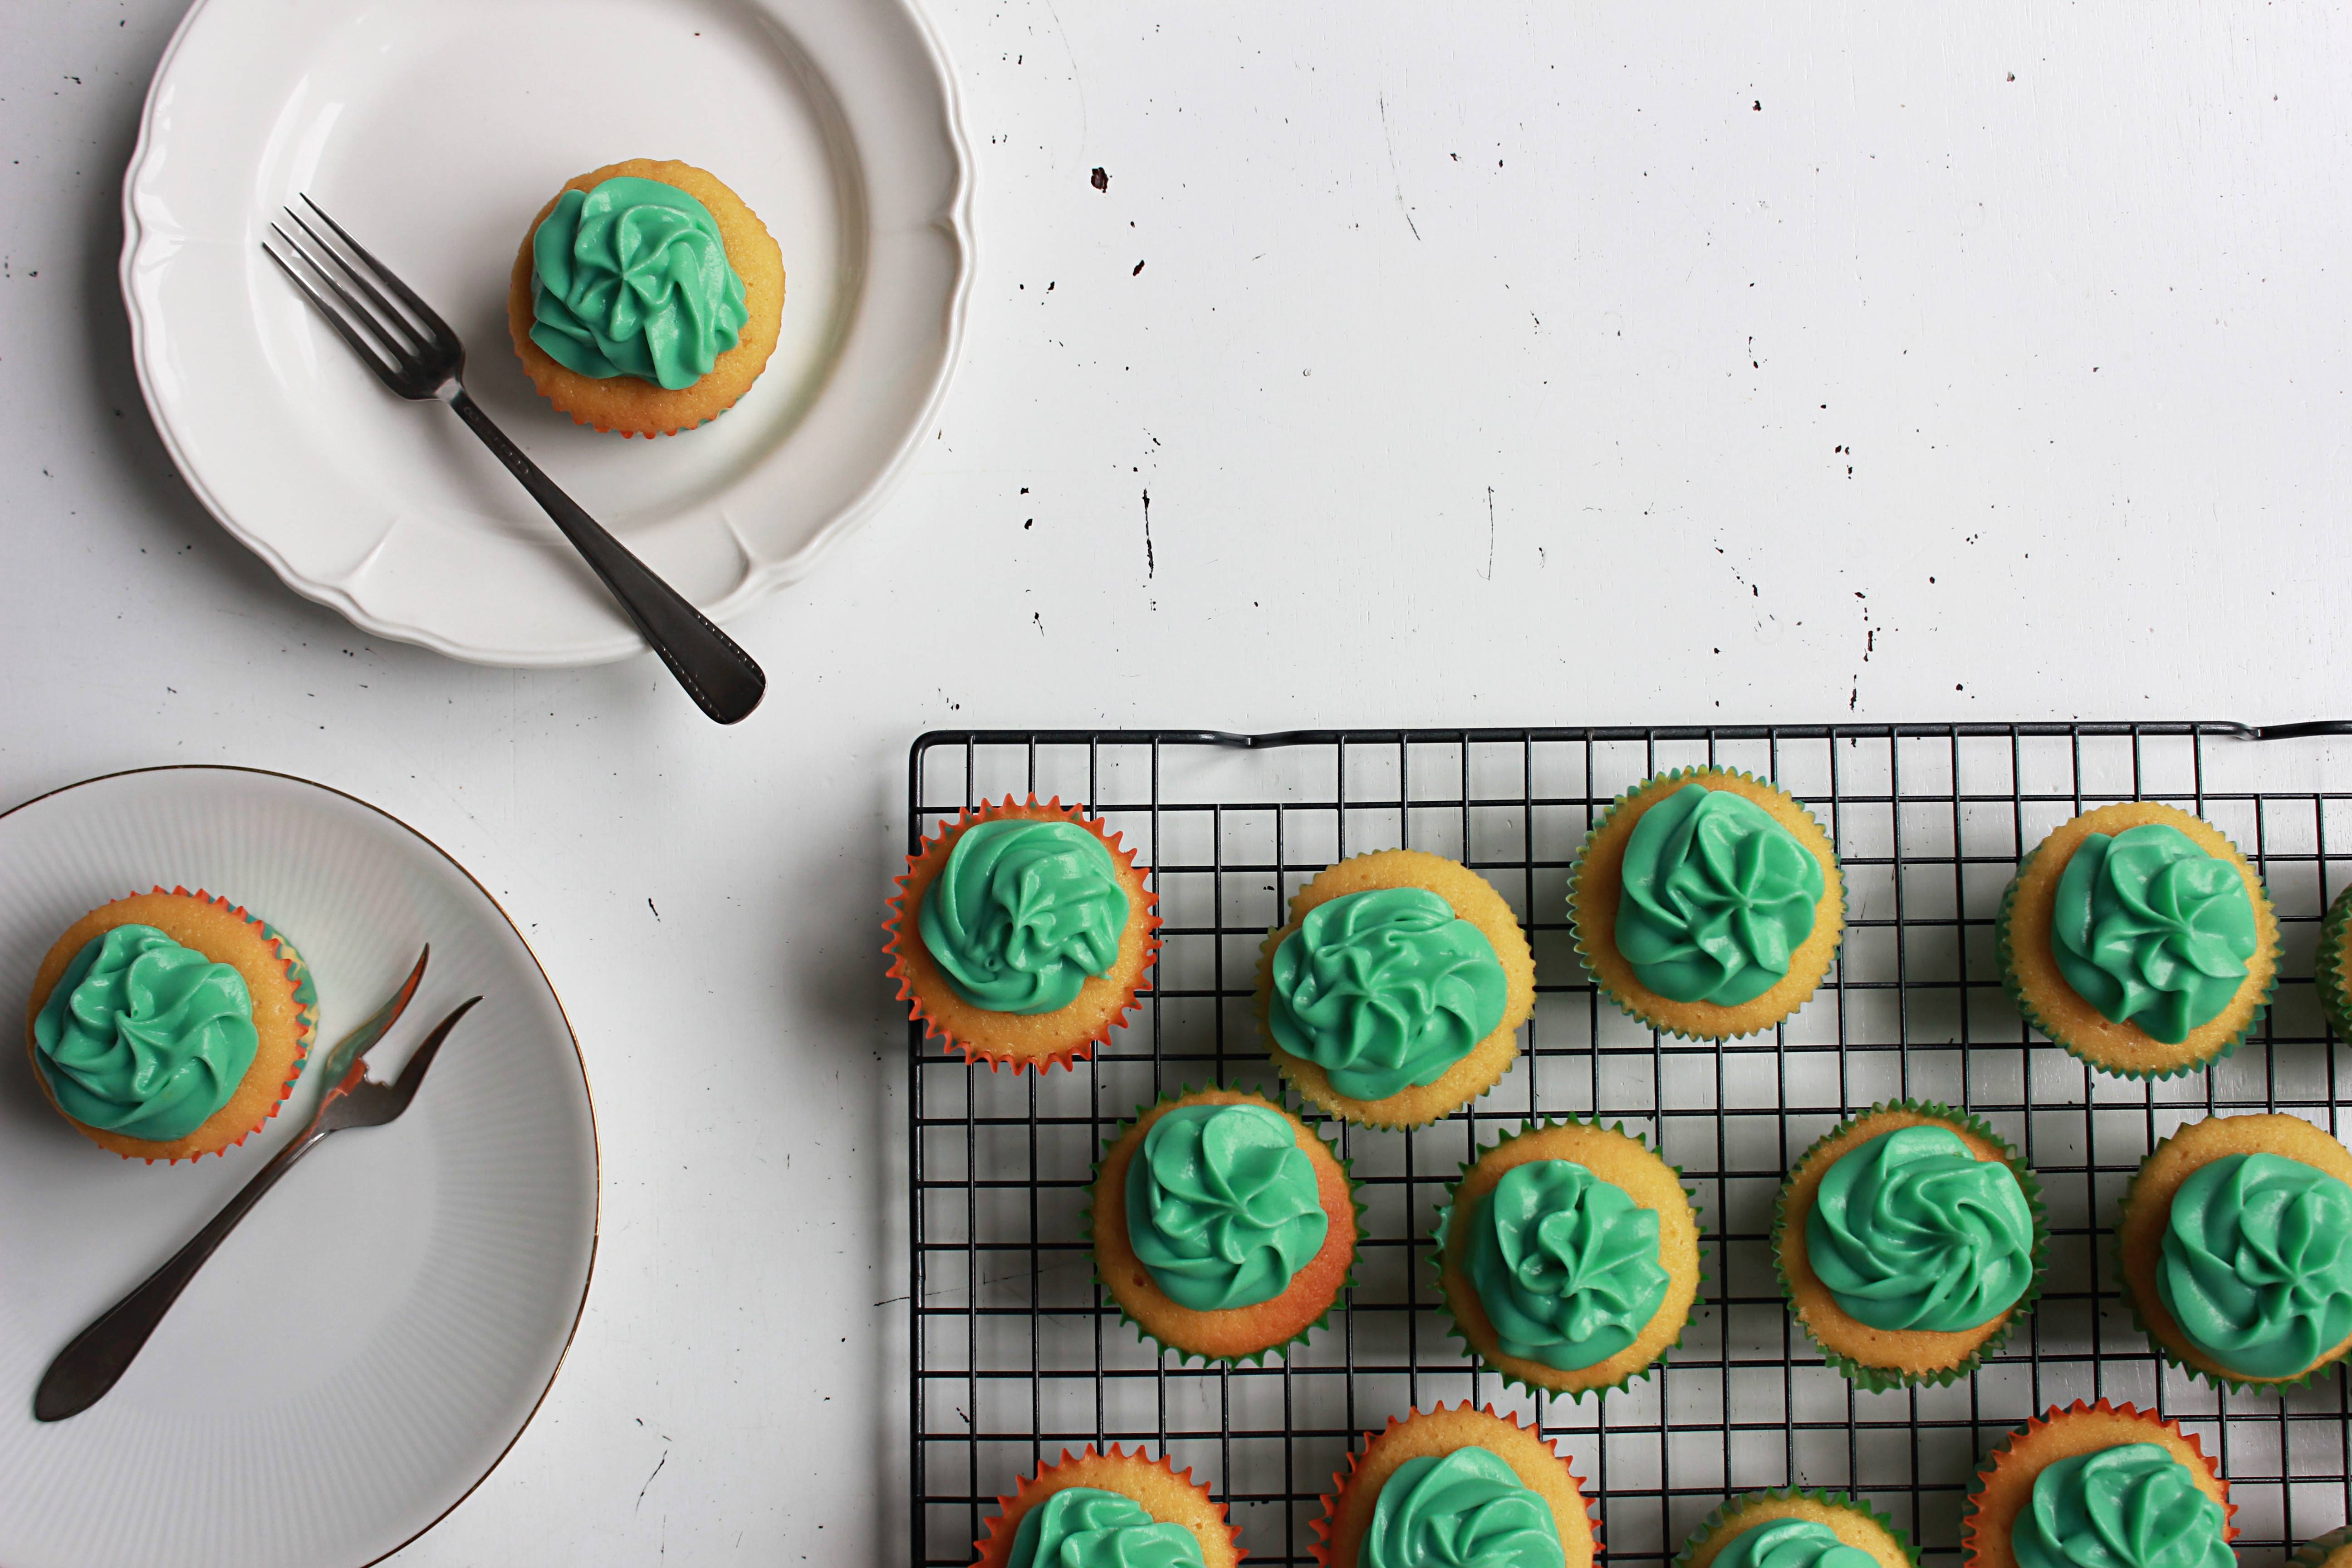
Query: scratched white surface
x=1517, y=364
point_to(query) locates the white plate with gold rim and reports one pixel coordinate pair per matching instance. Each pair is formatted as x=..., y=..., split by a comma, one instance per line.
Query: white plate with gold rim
x=434, y=130
x=372, y=1338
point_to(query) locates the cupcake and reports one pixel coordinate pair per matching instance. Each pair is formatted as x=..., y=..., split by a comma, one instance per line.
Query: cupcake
x=170, y=1026
x=1707, y=903
x=1020, y=933
x=1567, y=1255
x=1443, y=1479
x=2333, y=1550
x=2140, y=940
x=1909, y=1242
x=1396, y=992
x=1797, y=1529
x=2329, y=973
x=2098, y=1486
x=1108, y=1508
x=2236, y=1246
x=1223, y=1227
x=646, y=299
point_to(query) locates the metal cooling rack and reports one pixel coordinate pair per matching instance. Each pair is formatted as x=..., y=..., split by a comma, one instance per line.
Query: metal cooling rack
x=1016, y=1353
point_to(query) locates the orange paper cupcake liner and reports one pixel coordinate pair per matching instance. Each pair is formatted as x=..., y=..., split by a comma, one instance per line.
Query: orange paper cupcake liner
x=2005, y=1456
x=1327, y=1526
x=1209, y=1516
x=911, y=965
x=299, y=987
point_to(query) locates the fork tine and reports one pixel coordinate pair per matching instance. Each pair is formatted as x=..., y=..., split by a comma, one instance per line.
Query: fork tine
x=411, y=336
x=356, y=314
x=404, y=1089
x=424, y=313
x=363, y=347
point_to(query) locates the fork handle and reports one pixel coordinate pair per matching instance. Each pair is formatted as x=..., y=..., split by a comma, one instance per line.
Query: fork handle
x=102, y=1353
x=723, y=680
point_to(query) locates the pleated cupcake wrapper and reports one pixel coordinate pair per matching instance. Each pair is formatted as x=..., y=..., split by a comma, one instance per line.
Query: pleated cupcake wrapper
x=2226, y=1380
x=1576, y=873
x=2328, y=965
x=306, y=998
x=1453, y=1325
x=2315, y=1553
x=2006, y=953
x=1730, y=1508
x=2004, y=1454
x=1320, y=1548
x=1185, y=1355
x=904, y=934
x=1006, y=1503
x=1879, y=1379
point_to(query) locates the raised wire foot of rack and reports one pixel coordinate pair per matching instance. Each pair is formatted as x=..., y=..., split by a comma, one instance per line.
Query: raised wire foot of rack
x=1017, y=1353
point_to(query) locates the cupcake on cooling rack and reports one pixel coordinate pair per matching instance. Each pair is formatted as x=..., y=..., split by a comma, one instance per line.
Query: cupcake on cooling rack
x=1224, y=1227
x=2329, y=973
x=2098, y=1486
x=1707, y=903
x=647, y=298
x=2333, y=1550
x=2236, y=1247
x=1568, y=1256
x=1909, y=1242
x=1797, y=1529
x=2137, y=938
x=170, y=1026
x=1441, y=1479
x=1110, y=1509
x=1396, y=992
x=1020, y=933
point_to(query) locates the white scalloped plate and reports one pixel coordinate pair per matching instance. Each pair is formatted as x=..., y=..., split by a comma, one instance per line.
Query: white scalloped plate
x=434, y=130
x=372, y=1338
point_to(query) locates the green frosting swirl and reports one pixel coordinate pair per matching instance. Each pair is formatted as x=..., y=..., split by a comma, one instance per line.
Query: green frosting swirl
x=1466, y=1509
x=2133, y=1506
x=1716, y=895
x=1791, y=1543
x=143, y=1036
x=2150, y=930
x=2256, y=1265
x=1912, y=1231
x=1222, y=1205
x=1565, y=1264
x=1023, y=912
x=1087, y=1527
x=632, y=278
x=1385, y=990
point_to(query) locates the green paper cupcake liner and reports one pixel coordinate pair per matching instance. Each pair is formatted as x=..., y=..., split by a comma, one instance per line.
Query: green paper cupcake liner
x=1576, y=873
x=1730, y=1507
x=2007, y=959
x=1879, y=1379
x=2315, y=1553
x=1186, y=1357
x=1454, y=1324
x=2328, y=965
x=2231, y=1381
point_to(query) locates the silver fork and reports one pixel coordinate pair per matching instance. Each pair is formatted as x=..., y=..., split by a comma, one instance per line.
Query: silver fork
x=415, y=353
x=98, y=1356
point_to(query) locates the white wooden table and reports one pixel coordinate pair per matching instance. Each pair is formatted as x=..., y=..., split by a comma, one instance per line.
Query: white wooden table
x=1548, y=364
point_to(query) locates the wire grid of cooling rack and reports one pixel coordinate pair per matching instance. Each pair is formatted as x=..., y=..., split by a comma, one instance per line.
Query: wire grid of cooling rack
x=1017, y=1353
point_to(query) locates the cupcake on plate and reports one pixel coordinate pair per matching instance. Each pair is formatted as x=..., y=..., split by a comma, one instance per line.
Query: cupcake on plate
x=1223, y=1227
x=1111, y=1507
x=2236, y=1245
x=647, y=298
x=1707, y=903
x=2098, y=1486
x=1020, y=933
x=170, y=1026
x=1439, y=1478
x=1395, y=993
x=1908, y=1242
x=2329, y=973
x=2137, y=938
x=1567, y=1255
x=1794, y=1528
